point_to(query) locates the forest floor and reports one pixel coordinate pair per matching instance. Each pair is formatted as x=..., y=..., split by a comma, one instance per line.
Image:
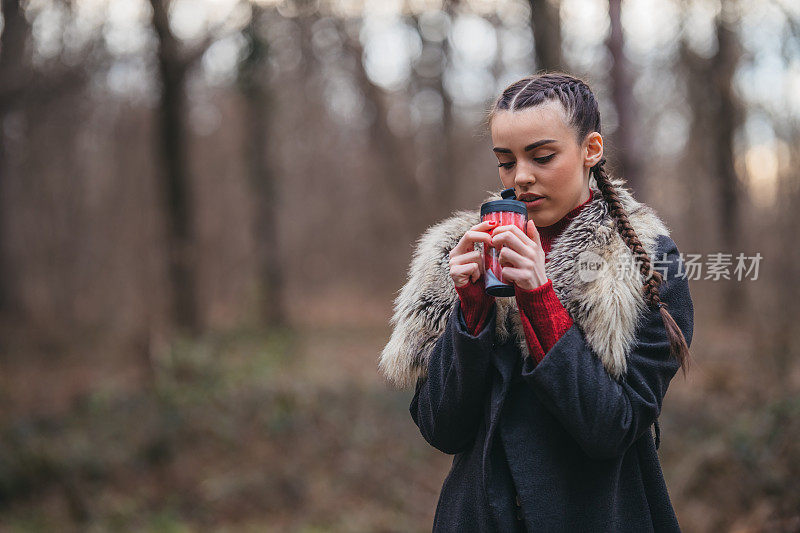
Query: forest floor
x=297, y=431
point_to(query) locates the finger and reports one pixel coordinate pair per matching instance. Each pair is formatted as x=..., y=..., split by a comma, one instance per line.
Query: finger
x=514, y=275
x=511, y=274
x=462, y=273
x=476, y=272
x=468, y=240
x=486, y=225
x=473, y=256
x=533, y=233
x=512, y=240
x=509, y=257
x=516, y=230
x=520, y=277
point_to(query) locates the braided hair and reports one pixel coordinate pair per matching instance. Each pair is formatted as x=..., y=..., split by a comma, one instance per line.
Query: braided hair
x=584, y=117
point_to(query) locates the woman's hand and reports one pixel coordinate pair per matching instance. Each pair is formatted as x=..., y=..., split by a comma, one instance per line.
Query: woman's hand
x=466, y=263
x=521, y=255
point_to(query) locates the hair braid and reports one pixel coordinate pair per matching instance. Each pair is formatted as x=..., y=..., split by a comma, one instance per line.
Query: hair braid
x=677, y=342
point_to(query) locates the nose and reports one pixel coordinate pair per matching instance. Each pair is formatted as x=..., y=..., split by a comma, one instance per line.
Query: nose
x=524, y=179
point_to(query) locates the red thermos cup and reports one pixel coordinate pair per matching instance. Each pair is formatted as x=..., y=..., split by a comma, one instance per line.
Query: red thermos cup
x=507, y=211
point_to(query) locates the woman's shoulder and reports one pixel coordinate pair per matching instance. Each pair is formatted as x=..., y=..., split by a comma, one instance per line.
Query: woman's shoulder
x=665, y=246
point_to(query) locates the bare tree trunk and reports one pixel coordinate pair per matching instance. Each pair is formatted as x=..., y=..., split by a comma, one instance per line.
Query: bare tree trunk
x=397, y=173
x=23, y=88
x=781, y=340
x=442, y=149
x=717, y=115
x=727, y=117
x=252, y=84
x=630, y=159
x=546, y=25
x=174, y=158
x=13, y=76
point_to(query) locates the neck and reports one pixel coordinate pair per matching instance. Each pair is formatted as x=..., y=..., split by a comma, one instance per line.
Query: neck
x=549, y=233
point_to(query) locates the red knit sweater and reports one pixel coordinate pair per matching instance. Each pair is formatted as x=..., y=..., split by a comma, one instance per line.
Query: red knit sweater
x=544, y=319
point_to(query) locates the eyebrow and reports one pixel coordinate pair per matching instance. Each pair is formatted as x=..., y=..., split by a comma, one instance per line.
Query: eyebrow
x=527, y=148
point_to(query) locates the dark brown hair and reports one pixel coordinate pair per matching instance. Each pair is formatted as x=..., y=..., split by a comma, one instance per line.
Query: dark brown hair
x=584, y=117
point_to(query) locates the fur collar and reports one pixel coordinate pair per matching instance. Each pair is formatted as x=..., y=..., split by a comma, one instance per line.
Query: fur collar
x=605, y=305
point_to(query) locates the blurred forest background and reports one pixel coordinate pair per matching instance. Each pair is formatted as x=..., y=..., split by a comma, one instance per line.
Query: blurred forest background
x=206, y=207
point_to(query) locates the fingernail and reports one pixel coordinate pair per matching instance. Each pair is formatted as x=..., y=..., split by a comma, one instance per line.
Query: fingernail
x=492, y=222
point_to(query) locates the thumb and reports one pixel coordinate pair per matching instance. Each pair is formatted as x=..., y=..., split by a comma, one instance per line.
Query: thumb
x=533, y=233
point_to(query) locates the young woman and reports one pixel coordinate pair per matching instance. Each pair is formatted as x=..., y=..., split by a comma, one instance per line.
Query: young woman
x=546, y=398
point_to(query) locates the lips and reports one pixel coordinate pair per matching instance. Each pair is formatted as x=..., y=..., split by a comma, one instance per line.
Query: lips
x=529, y=197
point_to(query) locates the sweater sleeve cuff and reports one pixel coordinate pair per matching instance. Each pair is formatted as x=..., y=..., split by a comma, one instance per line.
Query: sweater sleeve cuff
x=548, y=316
x=540, y=300
x=475, y=305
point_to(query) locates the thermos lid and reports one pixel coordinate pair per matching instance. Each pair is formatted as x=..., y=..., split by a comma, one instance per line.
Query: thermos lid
x=509, y=194
x=508, y=203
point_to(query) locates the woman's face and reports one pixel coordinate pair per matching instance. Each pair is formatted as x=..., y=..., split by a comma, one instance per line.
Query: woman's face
x=554, y=166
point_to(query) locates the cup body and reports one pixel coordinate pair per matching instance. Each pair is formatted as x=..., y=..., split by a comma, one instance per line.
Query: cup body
x=495, y=285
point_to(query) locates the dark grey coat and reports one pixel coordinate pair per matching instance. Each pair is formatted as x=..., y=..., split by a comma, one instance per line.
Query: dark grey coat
x=564, y=445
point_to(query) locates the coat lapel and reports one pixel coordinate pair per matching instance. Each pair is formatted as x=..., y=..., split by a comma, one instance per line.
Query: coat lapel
x=603, y=301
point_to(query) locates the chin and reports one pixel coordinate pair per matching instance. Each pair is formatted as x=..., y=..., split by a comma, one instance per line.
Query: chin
x=539, y=217
x=540, y=220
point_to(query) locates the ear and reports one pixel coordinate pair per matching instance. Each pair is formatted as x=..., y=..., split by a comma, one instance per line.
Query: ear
x=592, y=149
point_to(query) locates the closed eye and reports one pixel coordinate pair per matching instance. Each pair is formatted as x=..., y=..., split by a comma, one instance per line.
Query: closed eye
x=540, y=160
